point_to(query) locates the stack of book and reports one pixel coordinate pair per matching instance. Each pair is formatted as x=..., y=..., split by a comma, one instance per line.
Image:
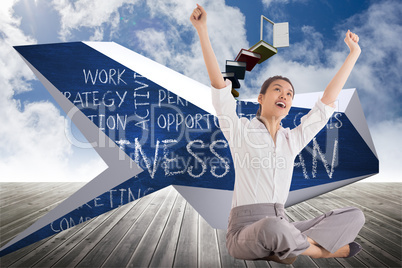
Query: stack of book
x=236, y=70
x=264, y=49
x=235, y=83
x=247, y=59
x=250, y=57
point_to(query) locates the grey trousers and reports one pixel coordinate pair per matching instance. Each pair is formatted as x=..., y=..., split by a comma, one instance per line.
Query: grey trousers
x=260, y=230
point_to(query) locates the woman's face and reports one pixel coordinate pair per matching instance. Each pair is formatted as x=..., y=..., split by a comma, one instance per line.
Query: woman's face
x=277, y=100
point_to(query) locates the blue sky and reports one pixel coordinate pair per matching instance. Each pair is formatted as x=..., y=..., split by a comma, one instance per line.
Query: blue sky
x=35, y=135
x=323, y=15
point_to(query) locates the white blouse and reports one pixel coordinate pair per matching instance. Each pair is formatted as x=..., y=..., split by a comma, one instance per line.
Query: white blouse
x=263, y=170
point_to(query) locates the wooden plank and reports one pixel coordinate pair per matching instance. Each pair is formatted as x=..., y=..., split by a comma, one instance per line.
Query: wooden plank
x=258, y=264
x=374, y=256
x=48, y=247
x=103, y=246
x=53, y=250
x=121, y=254
x=312, y=212
x=166, y=249
x=8, y=233
x=187, y=246
x=38, y=203
x=226, y=259
x=11, y=258
x=345, y=262
x=18, y=197
x=25, y=191
x=390, y=190
x=23, y=186
x=385, y=221
x=73, y=250
x=372, y=201
x=392, y=248
x=294, y=214
x=351, y=262
x=376, y=222
x=111, y=242
x=389, y=244
x=393, y=197
x=143, y=253
x=5, y=186
x=69, y=243
x=9, y=188
x=10, y=230
x=305, y=261
x=275, y=264
x=208, y=253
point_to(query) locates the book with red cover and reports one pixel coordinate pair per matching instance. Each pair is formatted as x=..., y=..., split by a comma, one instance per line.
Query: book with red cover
x=250, y=57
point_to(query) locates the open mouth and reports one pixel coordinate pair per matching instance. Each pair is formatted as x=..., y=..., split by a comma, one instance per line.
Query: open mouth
x=281, y=104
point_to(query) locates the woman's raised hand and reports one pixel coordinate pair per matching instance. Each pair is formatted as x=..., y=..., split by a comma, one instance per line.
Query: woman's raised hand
x=338, y=81
x=199, y=17
x=352, y=41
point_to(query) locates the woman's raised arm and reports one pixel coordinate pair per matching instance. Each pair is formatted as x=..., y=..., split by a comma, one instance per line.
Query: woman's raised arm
x=199, y=20
x=335, y=86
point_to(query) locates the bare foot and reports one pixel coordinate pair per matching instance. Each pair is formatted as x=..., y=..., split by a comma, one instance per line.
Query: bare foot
x=343, y=252
x=316, y=251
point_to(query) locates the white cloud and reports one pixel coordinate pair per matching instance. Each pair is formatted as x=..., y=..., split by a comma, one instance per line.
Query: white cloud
x=33, y=143
x=98, y=34
x=376, y=76
x=174, y=10
x=301, y=63
x=379, y=68
x=88, y=14
x=386, y=137
x=165, y=43
x=226, y=27
x=309, y=64
x=268, y=3
x=35, y=148
x=157, y=44
x=12, y=68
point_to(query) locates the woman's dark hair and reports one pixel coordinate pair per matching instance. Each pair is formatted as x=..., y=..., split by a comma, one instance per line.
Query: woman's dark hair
x=268, y=82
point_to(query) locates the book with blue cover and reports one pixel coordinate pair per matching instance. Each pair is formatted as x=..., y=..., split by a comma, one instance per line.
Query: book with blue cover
x=236, y=67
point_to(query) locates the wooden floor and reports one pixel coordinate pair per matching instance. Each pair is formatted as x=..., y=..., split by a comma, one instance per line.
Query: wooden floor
x=163, y=230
